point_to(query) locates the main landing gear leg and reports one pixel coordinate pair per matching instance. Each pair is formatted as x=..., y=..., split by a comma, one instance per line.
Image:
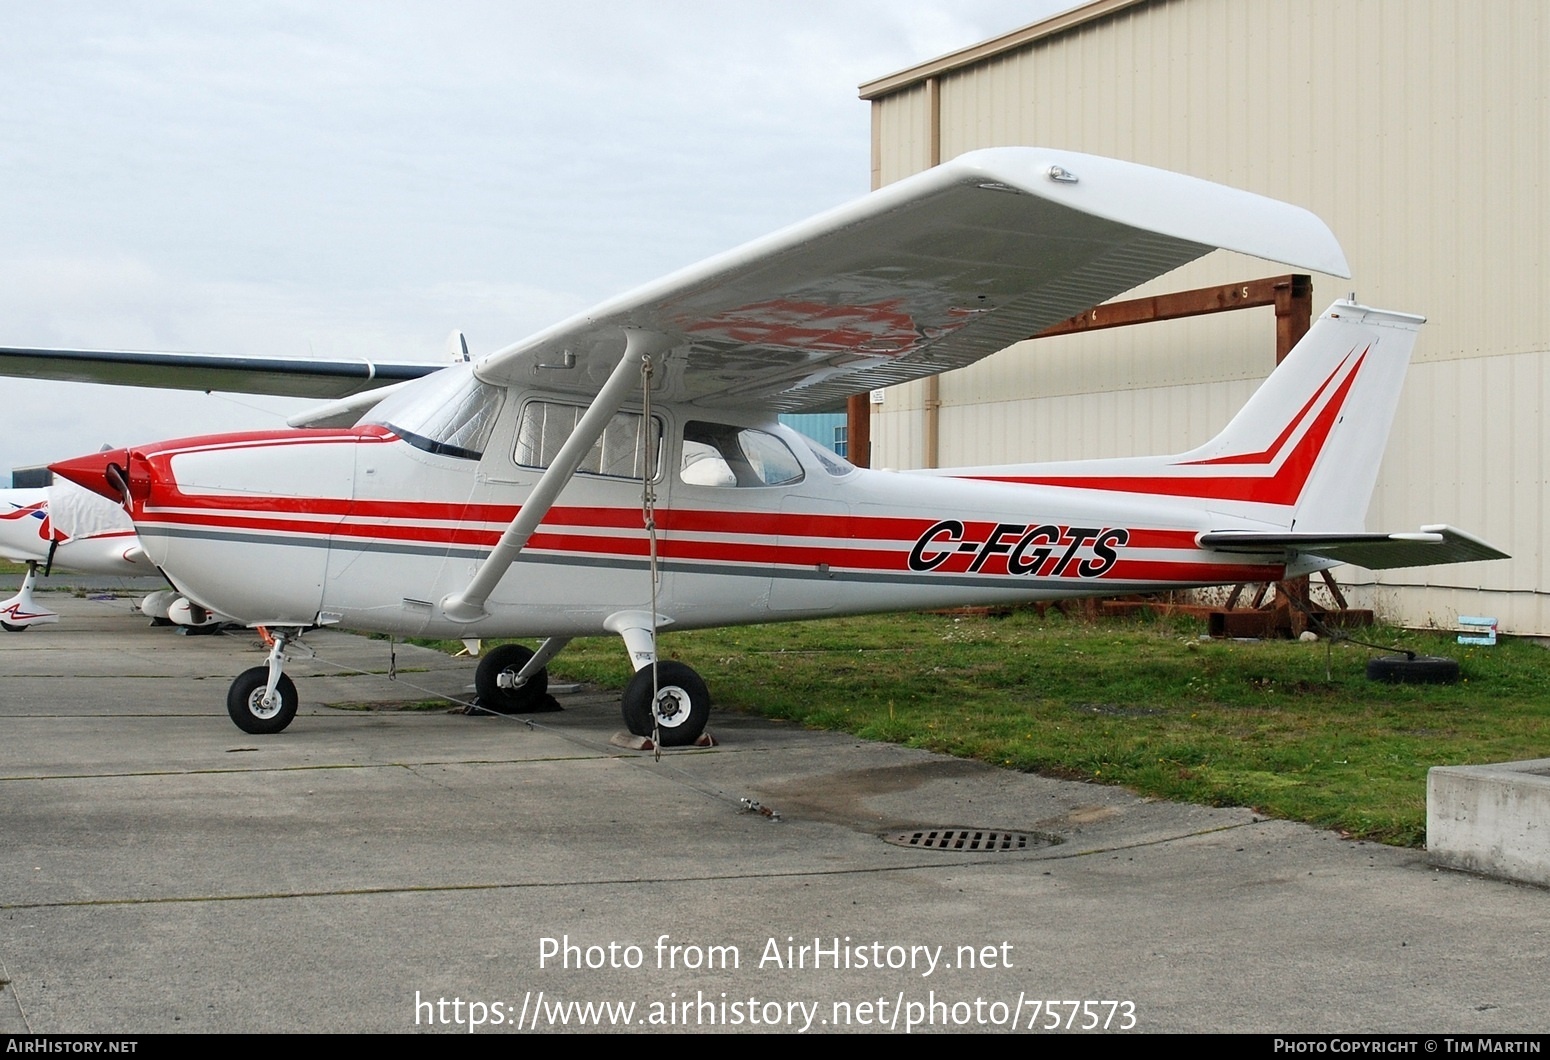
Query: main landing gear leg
x=21, y=612
x=666, y=701
x=263, y=700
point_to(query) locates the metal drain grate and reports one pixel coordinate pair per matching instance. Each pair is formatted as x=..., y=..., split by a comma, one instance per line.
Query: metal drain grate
x=978, y=840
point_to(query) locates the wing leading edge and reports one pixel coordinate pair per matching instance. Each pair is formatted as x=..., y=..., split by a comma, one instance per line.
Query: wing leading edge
x=928, y=274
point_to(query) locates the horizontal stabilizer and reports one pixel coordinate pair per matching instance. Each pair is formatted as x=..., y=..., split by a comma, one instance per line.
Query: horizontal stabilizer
x=1432, y=545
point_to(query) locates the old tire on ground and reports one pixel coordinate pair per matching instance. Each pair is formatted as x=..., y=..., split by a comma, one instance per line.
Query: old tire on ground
x=510, y=658
x=244, y=702
x=684, y=703
x=1421, y=670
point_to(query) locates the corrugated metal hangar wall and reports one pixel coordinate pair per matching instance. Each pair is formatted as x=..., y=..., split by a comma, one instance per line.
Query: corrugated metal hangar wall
x=1418, y=129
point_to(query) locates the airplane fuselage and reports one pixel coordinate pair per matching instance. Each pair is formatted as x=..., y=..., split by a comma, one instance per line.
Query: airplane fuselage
x=361, y=528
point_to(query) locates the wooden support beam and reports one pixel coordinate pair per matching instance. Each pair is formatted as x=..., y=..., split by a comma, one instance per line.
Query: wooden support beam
x=1290, y=290
x=1334, y=590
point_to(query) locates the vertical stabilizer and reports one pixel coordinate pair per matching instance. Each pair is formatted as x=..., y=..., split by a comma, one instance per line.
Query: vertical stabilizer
x=1301, y=455
x=1311, y=438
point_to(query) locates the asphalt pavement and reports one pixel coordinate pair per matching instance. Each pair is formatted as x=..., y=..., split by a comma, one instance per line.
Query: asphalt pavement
x=381, y=868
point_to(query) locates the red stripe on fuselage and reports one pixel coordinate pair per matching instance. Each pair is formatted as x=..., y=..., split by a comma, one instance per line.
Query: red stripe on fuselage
x=801, y=540
x=369, y=433
x=832, y=553
x=415, y=519
x=763, y=554
x=169, y=495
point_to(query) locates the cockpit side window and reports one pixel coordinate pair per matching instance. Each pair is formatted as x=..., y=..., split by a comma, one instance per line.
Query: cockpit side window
x=451, y=413
x=719, y=454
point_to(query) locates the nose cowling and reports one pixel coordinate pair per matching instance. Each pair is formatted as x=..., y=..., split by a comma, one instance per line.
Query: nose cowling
x=107, y=473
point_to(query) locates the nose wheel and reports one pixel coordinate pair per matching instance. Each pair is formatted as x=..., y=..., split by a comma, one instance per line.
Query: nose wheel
x=263, y=700
x=257, y=710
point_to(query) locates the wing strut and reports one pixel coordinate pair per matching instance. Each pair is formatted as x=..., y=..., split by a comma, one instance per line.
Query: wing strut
x=468, y=606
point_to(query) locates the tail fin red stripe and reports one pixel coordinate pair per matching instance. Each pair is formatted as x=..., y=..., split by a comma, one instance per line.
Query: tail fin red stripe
x=1283, y=487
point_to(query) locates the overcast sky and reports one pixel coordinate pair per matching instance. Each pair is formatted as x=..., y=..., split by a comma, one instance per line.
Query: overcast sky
x=347, y=180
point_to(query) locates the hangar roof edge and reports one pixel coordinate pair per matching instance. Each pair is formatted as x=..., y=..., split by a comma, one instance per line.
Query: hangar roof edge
x=1006, y=42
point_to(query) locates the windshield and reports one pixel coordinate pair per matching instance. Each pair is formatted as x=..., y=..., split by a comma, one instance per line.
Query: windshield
x=835, y=465
x=451, y=413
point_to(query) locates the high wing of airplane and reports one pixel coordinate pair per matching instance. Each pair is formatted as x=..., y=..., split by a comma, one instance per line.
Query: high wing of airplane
x=624, y=470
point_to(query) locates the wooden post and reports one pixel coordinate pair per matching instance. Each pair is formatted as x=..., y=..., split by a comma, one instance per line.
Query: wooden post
x=858, y=429
x=1294, y=312
x=1294, y=316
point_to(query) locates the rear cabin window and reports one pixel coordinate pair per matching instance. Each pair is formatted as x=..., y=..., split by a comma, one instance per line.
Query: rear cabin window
x=718, y=454
x=618, y=453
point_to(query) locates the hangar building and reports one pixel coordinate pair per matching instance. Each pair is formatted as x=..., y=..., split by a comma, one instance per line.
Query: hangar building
x=1419, y=130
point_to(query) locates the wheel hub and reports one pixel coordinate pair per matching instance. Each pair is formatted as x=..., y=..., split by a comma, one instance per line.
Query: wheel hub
x=262, y=705
x=672, y=707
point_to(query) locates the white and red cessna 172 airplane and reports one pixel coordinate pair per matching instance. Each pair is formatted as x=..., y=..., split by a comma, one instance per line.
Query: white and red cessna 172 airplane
x=624, y=470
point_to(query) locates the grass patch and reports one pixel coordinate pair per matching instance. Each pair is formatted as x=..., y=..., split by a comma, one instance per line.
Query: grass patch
x=1144, y=704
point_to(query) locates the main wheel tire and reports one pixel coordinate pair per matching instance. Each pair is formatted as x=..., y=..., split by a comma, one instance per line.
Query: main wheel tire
x=1421, y=670
x=245, y=702
x=510, y=658
x=11, y=627
x=683, y=702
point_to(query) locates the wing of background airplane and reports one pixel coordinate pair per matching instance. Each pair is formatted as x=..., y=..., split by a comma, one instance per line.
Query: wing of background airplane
x=1432, y=545
x=928, y=274
x=283, y=376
